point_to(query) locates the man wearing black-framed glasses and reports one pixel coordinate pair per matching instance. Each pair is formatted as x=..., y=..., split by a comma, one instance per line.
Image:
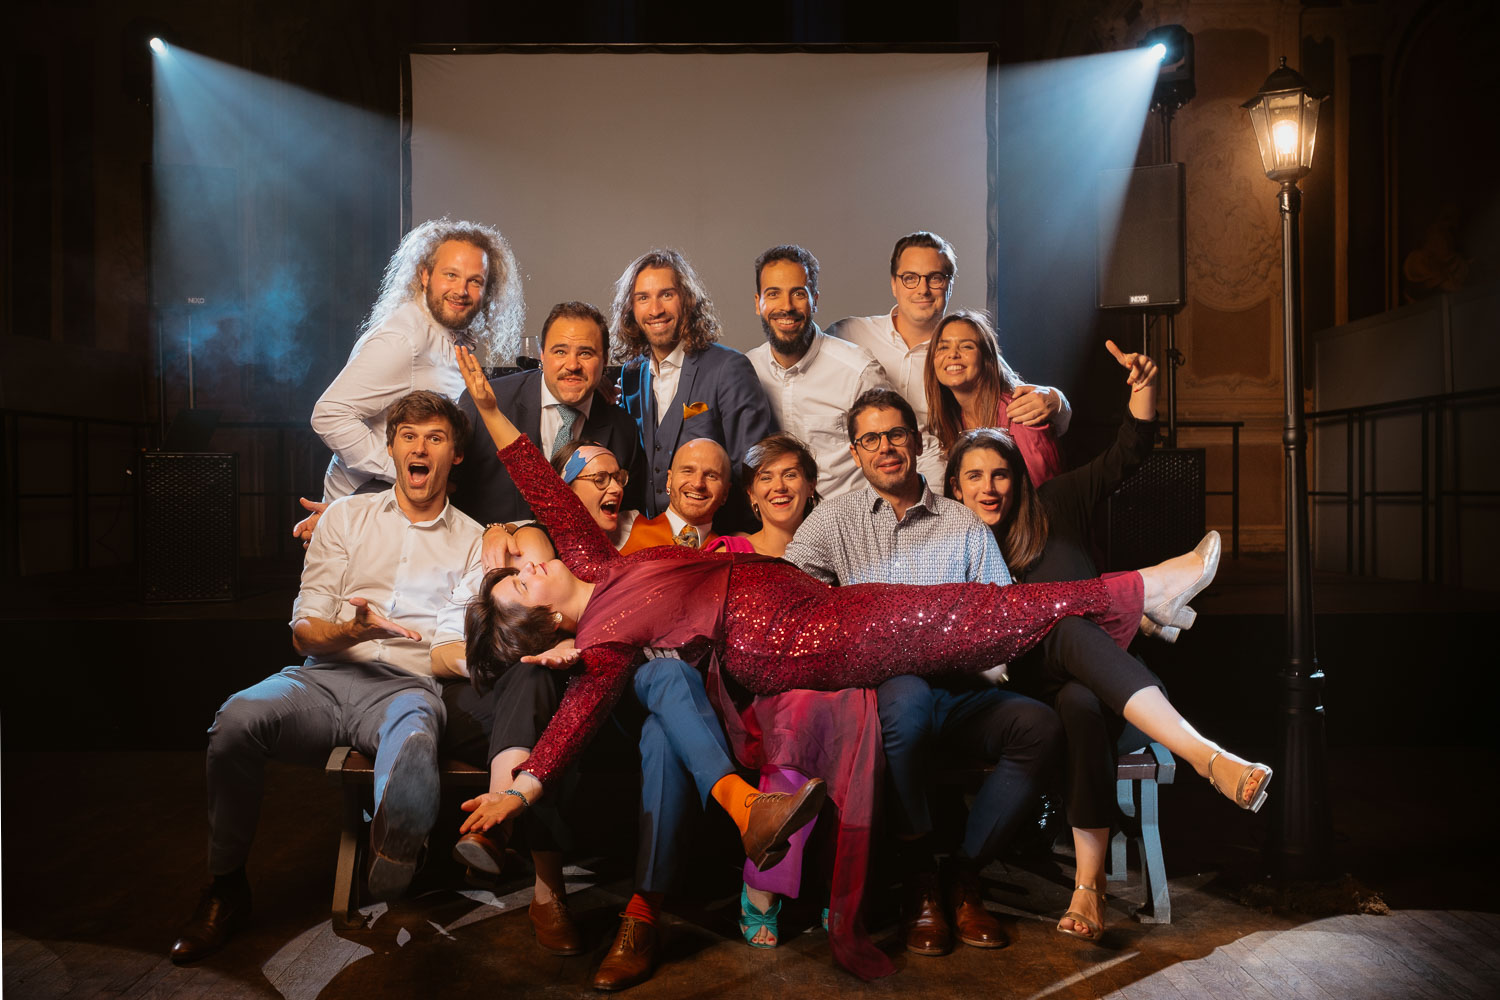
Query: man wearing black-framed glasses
x=896, y=529
x=924, y=270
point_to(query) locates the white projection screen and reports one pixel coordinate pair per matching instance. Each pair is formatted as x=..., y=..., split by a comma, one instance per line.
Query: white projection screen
x=586, y=158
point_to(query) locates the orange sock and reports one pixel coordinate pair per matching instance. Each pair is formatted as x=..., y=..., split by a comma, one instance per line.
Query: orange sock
x=734, y=793
x=644, y=906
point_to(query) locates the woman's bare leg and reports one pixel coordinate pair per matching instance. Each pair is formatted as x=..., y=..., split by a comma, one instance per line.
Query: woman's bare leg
x=1090, y=846
x=1150, y=712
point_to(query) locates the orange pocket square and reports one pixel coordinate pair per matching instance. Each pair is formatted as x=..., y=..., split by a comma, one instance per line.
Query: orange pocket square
x=690, y=410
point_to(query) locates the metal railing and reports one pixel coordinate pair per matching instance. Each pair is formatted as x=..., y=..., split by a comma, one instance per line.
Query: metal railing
x=278, y=500
x=1233, y=493
x=1360, y=499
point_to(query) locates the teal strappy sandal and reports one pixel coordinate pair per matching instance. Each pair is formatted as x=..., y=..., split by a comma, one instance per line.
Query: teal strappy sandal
x=752, y=920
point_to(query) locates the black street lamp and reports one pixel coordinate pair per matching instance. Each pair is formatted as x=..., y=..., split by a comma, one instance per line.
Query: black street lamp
x=1285, y=116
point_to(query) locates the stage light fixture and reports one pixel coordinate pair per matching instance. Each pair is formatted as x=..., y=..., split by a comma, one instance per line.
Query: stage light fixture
x=157, y=45
x=1175, y=84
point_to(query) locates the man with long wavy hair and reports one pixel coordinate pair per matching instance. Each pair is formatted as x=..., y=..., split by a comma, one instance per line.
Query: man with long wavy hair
x=447, y=283
x=678, y=382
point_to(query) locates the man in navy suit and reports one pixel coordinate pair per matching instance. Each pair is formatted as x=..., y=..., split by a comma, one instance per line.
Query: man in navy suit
x=558, y=403
x=678, y=382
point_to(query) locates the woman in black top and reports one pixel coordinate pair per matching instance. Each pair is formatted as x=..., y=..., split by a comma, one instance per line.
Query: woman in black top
x=1105, y=696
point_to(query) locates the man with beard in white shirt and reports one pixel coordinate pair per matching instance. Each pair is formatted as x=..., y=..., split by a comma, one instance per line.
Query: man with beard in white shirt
x=447, y=283
x=810, y=378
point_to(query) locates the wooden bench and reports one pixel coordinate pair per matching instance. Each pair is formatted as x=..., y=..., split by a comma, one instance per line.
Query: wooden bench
x=1137, y=776
x=354, y=774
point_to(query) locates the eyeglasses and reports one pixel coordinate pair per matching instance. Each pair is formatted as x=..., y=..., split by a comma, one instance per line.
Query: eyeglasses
x=937, y=279
x=897, y=436
x=601, y=479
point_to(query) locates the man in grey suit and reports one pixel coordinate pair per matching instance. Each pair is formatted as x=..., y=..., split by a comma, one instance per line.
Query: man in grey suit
x=558, y=403
x=678, y=382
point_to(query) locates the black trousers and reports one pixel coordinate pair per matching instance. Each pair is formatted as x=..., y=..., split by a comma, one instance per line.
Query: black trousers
x=1087, y=679
x=511, y=714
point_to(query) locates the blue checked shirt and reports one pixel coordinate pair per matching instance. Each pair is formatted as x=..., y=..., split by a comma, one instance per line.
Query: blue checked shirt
x=855, y=538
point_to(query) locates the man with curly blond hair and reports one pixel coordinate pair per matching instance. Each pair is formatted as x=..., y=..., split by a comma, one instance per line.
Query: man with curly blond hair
x=447, y=283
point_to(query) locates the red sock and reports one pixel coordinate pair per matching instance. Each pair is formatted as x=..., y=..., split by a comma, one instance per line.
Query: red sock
x=644, y=906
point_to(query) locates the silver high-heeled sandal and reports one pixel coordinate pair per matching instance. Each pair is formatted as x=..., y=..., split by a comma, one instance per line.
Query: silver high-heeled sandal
x=1174, y=611
x=1238, y=798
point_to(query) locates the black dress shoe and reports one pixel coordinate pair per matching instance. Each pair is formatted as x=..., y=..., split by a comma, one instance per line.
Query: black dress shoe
x=215, y=919
x=398, y=830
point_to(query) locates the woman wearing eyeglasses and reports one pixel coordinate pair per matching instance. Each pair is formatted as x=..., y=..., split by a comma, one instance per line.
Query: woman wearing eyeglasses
x=969, y=384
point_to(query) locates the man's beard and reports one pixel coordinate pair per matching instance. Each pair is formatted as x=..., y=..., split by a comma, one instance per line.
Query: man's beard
x=436, y=304
x=800, y=342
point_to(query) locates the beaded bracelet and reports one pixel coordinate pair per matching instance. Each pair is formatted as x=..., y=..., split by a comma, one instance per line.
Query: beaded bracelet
x=524, y=800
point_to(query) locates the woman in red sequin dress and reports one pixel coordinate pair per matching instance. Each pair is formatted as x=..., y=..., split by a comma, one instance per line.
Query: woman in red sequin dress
x=772, y=626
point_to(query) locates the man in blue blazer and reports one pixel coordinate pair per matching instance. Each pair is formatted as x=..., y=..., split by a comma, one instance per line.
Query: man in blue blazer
x=678, y=382
x=555, y=404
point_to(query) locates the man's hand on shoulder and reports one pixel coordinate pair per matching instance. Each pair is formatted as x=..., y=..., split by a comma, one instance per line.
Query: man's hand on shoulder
x=304, y=528
x=1033, y=406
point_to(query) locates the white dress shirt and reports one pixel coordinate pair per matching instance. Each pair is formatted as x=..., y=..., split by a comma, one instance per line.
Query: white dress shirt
x=811, y=399
x=665, y=375
x=552, y=418
x=408, y=572
x=409, y=351
x=906, y=368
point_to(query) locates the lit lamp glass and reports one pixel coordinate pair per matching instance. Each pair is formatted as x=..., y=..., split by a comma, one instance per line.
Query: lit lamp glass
x=1285, y=116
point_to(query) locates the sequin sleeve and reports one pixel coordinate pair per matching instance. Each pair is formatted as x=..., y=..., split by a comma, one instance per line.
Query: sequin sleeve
x=580, y=544
x=590, y=697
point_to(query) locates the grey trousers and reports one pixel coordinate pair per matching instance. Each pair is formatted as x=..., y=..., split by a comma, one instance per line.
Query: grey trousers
x=299, y=716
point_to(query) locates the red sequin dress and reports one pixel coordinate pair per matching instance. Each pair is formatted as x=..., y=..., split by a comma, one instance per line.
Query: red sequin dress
x=772, y=626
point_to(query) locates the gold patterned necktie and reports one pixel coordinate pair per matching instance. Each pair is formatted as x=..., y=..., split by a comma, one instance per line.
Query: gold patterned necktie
x=687, y=536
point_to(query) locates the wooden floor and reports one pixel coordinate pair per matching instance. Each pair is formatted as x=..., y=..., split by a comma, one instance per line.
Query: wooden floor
x=103, y=857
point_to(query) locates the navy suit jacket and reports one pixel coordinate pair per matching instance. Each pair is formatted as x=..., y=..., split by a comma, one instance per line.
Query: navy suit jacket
x=719, y=396
x=485, y=490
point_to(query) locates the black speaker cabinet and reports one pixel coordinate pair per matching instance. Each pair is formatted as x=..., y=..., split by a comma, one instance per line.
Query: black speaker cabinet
x=189, y=527
x=1159, y=511
x=1141, y=261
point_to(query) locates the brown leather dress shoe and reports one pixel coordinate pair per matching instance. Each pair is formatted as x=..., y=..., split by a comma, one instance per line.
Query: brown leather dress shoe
x=974, y=925
x=554, y=927
x=483, y=852
x=212, y=923
x=631, y=959
x=925, y=929
x=774, y=817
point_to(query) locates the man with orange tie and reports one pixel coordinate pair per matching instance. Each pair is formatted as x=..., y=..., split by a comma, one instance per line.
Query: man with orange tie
x=697, y=486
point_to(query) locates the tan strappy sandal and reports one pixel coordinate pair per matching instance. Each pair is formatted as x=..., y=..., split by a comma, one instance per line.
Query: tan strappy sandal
x=1238, y=798
x=1094, y=929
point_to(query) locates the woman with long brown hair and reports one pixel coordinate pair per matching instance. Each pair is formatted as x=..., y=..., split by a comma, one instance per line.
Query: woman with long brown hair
x=1097, y=688
x=970, y=384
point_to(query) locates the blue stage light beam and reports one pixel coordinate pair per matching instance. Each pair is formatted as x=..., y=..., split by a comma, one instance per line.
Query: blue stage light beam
x=236, y=153
x=158, y=46
x=1062, y=123
x=1159, y=51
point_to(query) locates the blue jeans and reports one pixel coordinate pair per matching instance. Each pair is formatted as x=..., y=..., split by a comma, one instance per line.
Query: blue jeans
x=299, y=716
x=683, y=755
